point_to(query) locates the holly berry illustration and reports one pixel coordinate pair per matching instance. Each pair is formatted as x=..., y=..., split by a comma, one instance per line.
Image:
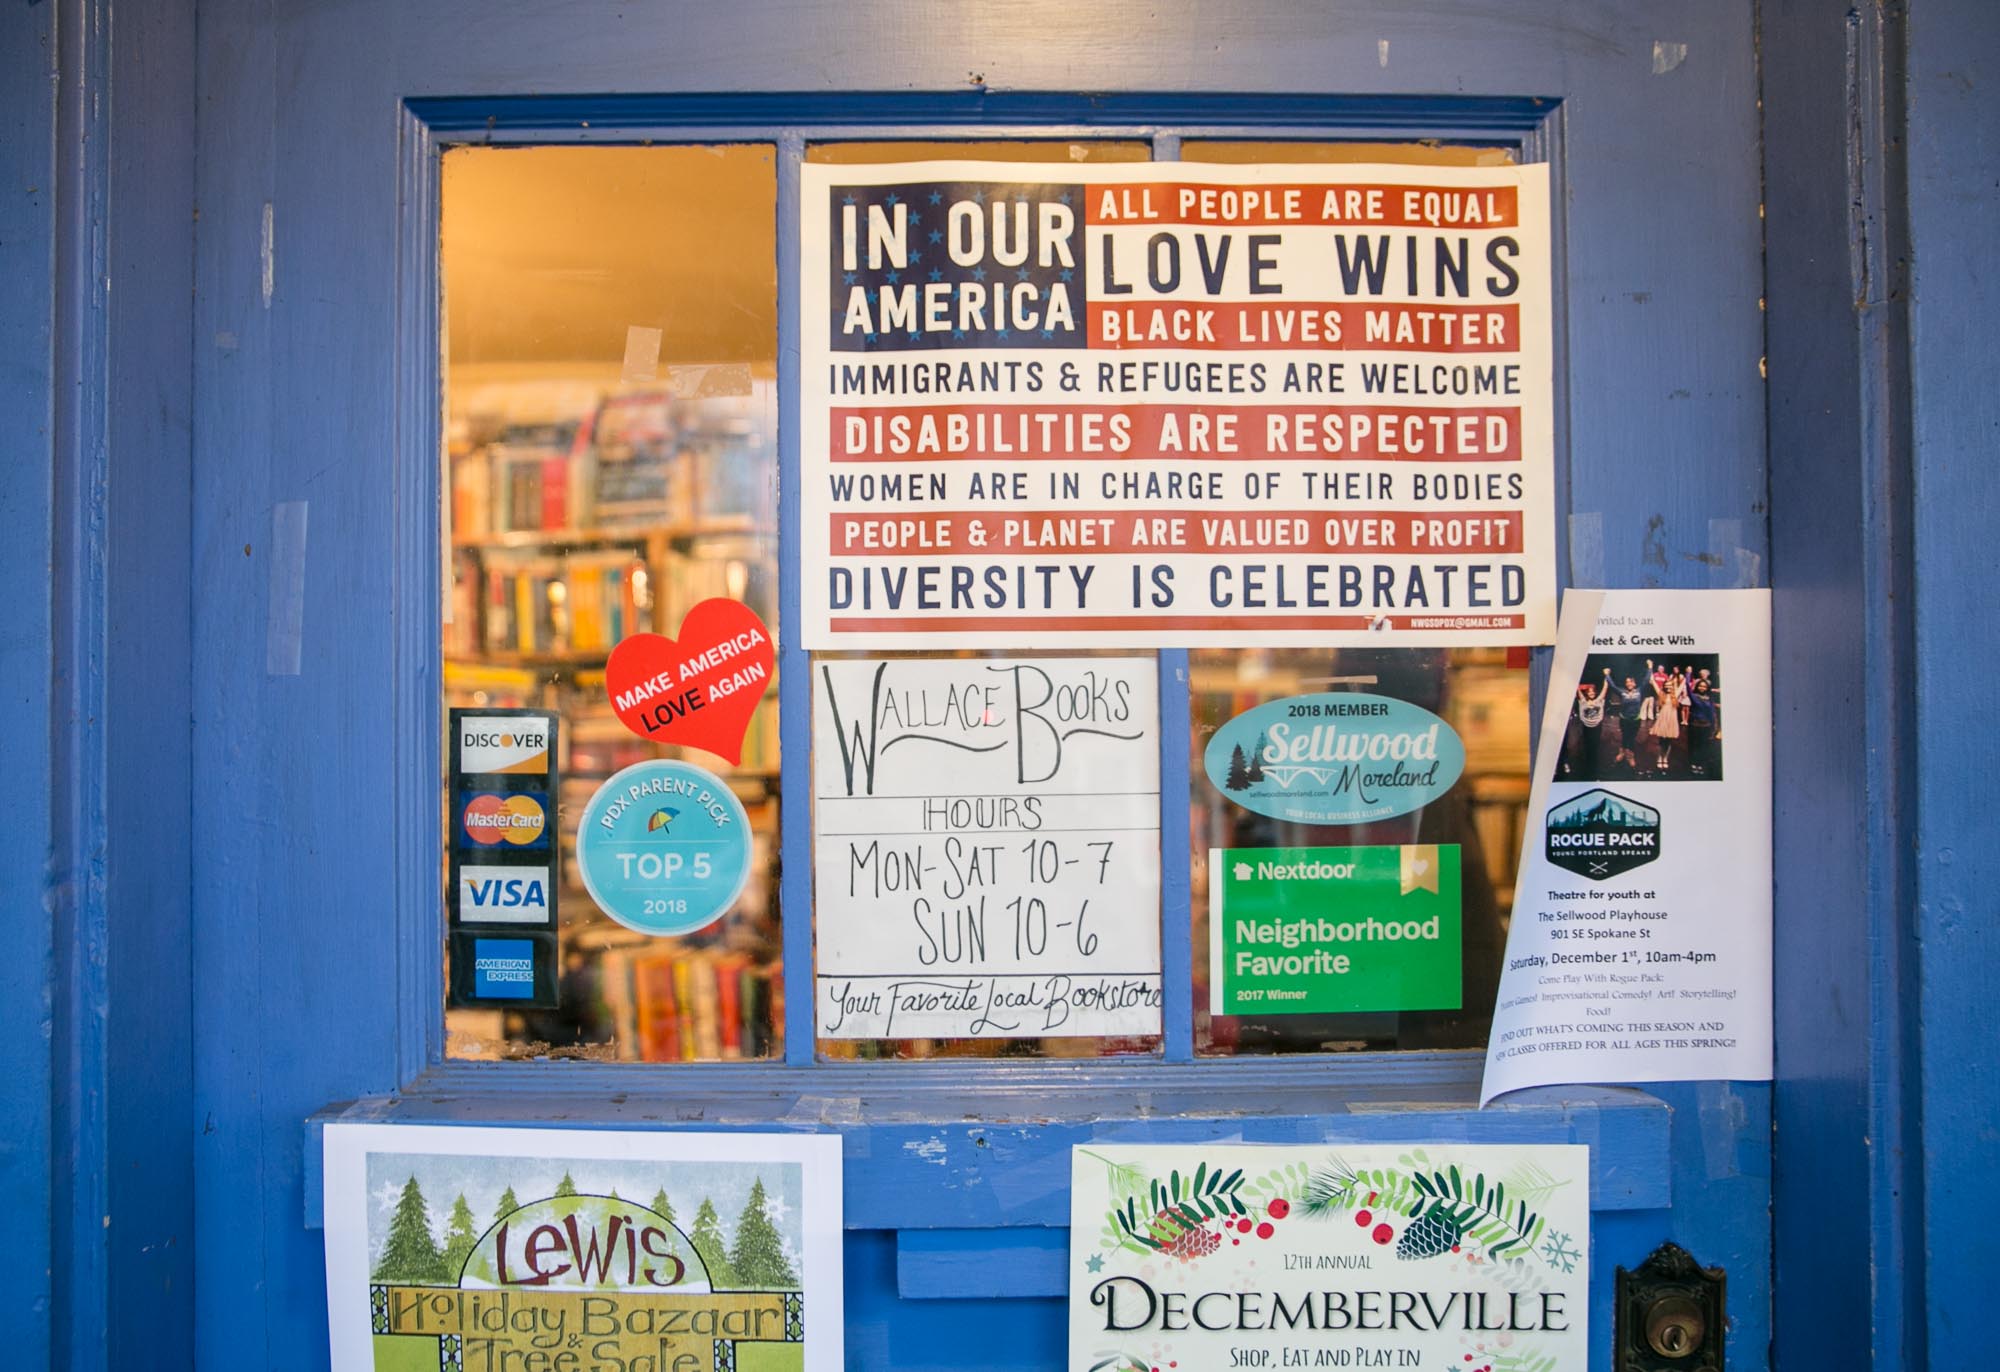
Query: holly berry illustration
x=1264, y=1230
x=1279, y=1208
x=1363, y=1218
x=1429, y=1235
x=1383, y=1233
x=1243, y=1225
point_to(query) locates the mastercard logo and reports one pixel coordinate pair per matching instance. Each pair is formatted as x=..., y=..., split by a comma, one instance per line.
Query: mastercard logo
x=518, y=820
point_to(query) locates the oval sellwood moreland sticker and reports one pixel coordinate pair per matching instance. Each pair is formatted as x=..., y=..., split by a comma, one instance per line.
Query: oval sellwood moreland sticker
x=1334, y=758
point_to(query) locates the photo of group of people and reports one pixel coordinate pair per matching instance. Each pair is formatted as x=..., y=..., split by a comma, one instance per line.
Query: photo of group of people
x=1640, y=718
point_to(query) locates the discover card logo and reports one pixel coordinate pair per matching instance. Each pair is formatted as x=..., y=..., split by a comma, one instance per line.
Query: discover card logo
x=502, y=744
x=1598, y=835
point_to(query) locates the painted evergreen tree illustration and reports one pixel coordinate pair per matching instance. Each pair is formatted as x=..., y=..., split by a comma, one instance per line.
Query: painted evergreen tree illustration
x=460, y=1234
x=411, y=1255
x=759, y=1255
x=1255, y=770
x=1239, y=771
x=663, y=1206
x=566, y=1187
x=707, y=1240
x=507, y=1206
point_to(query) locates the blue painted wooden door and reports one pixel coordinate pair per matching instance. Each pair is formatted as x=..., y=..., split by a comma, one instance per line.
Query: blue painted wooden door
x=315, y=820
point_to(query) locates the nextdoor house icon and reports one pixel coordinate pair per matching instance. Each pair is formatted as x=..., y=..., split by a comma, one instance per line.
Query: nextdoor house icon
x=1599, y=835
x=502, y=744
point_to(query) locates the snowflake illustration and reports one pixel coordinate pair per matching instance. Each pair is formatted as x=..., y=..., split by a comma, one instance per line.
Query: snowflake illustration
x=1559, y=1252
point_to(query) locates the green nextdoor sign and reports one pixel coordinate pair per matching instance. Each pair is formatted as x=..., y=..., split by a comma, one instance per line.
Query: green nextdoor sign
x=1306, y=931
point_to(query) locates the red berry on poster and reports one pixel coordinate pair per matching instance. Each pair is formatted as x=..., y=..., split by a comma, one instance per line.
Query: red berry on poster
x=699, y=689
x=1280, y=1208
x=1363, y=1218
x=1264, y=1230
x=1383, y=1233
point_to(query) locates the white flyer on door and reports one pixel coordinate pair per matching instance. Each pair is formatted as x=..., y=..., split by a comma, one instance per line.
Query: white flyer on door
x=986, y=841
x=1640, y=945
x=487, y=1249
x=1205, y=1257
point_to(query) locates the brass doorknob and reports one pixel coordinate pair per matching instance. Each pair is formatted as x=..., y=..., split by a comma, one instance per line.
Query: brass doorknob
x=1674, y=1327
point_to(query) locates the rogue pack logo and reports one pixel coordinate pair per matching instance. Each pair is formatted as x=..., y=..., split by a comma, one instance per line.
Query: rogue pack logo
x=503, y=968
x=503, y=744
x=1598, y=835
x=518, y=820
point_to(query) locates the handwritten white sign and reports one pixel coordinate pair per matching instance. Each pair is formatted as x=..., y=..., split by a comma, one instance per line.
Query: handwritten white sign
x=986, y=838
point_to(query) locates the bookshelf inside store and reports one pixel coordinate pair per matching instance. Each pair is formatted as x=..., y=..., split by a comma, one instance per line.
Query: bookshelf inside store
x=580, y=514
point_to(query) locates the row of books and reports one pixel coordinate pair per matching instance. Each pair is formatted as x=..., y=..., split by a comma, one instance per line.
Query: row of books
x=679, y=1004
x=642, y=458
x=581, y=603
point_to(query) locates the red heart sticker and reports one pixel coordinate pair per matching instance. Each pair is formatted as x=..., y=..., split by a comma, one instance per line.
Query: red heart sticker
x=699, y=689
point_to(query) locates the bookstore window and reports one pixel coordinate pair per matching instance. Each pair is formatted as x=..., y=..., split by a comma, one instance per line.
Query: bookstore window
x=612, y=460
x=610, y=320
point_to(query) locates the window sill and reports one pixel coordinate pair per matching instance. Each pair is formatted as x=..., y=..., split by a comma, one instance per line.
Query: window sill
x=963, y=1146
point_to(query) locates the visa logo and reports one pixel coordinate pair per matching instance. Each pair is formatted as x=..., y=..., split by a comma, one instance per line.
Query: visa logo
x=489, y=894
x=514, y=892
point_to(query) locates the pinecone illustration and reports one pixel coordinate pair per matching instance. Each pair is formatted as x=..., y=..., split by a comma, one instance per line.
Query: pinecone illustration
x=1191, y=1242
x=1429, y=1236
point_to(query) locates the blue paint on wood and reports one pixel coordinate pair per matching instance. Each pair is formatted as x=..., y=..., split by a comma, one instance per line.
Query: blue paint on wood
x=1845, y=1117
x=913, y=1160
x=990, y=1264
x=27, y=398
x=1953, y=149
x=116, y=424
x=795, y=869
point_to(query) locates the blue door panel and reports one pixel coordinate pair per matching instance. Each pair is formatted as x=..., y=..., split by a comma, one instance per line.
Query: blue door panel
x=314, y=843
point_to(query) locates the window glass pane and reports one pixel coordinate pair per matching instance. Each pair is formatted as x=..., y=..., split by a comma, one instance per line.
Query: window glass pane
x=989, y=1047
x=610, y=366
x=1482, y=695
x=991, y=150
x=1427, y=154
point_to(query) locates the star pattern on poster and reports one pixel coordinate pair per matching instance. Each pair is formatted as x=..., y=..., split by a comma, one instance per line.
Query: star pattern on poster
x=957, y=264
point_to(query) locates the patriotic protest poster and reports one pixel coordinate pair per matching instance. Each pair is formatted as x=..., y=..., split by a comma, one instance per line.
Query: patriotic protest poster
x=1154, y=405
x=487, y=1249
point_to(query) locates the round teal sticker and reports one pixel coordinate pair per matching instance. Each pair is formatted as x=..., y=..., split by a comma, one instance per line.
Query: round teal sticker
x=664, y=847
x=1334, y=758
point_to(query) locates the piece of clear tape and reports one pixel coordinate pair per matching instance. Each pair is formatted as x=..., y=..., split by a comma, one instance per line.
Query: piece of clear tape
x=285, y=614
x=1586, y=549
